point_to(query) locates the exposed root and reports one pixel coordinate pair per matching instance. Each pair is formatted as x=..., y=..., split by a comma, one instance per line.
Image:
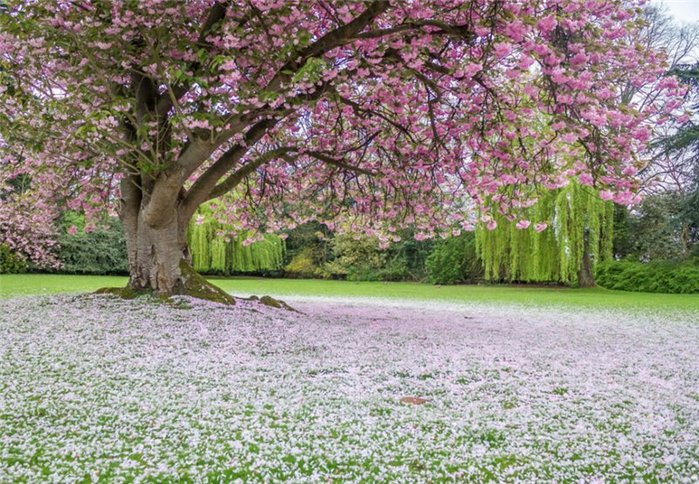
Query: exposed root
x=199, y=292
x=193, y=285
x=122, y=292
x=196, y=286
x=271, y=302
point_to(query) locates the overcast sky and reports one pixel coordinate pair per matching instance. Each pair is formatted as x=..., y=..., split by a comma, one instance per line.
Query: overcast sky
x=682, y=10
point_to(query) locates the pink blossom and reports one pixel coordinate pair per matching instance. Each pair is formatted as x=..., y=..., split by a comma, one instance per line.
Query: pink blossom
x=547, y=24
x=401, y=124
x=586, y=179
x=606, y=195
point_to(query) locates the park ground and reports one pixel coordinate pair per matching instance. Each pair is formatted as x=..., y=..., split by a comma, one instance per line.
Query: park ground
x=366, y=381
x=44, y=284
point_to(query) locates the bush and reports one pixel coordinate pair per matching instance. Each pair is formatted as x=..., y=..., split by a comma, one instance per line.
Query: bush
x=313, y=251
x=406, y=259
x=307, y=250
x=356, y=258
x=11, y=263
x=302, y=265
x=665, y=277
x=100, y=251
x=454, y=260
x=394, y=270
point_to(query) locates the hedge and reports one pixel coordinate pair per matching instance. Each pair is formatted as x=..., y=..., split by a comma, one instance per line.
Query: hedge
x=100, y=251
x=665, y=277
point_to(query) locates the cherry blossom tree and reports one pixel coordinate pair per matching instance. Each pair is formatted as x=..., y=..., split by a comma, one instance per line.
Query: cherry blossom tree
x=380, y=114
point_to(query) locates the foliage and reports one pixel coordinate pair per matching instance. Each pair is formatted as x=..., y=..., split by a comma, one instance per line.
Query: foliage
x=356, y=258
x=550, y=247
x=407, y=258
x=304, y=265
x=454, y=260
x=690, y=215
x=394, y=269
x=216, y=250
x=662, y=277
x=663, y=227
x=308, y=248
x=91, y=249
x=383, y=116
x=623, y=239
x=687, y=136
x=315, y=252
x=11, y=263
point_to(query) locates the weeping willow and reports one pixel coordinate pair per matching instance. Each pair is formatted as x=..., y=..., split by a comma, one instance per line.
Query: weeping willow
x=555, y=254
x=214, y=251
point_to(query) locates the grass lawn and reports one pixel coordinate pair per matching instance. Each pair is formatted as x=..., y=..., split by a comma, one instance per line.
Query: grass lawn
x=96, y=389
x=381, y=382
x=30, y=284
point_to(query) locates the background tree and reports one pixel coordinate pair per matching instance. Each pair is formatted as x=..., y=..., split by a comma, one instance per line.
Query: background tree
x=666, y=225
x=657, y=229
x=218, y=249
x=386, y=114
x=579, y=236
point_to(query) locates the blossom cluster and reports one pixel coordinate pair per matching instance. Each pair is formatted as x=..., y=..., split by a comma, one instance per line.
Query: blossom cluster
x=434, y=114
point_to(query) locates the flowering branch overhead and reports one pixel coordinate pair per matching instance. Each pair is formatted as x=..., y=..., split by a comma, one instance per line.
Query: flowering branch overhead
x=383, y=113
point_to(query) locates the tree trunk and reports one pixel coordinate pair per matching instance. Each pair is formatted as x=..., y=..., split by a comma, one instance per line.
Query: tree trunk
x=157, y=254
x=159, y=259
x=586, y=277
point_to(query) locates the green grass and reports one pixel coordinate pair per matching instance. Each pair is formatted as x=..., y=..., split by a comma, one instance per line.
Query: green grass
x=31, y=284
x=36, y=284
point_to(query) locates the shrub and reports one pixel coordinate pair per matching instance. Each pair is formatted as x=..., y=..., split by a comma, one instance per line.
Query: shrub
x=100, y=251
x=407, y=258
x=356, y=258
x=454, y=260
x=395, y=270
x=11, y=263
x=302, y=265
x=666, y=277
x=307, y=250
x=313, y=251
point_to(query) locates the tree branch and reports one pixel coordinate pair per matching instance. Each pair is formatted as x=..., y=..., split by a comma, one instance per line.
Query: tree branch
x=232, y=181
x=201, y=188
x=335, y=38
x=216, y=14
x=319, y=155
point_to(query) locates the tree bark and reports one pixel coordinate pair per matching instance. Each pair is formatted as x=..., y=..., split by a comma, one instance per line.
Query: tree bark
x=158, y=253
x=586, y=277
x=159, y=258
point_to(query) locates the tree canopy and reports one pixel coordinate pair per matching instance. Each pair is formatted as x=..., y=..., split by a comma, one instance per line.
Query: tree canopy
x=382, y=114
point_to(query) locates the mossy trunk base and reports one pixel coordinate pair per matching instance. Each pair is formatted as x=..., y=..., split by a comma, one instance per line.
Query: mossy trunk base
x=271, y=302
x=189, y=283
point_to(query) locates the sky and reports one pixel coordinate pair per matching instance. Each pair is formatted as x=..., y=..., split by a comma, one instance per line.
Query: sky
x=682, y=10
